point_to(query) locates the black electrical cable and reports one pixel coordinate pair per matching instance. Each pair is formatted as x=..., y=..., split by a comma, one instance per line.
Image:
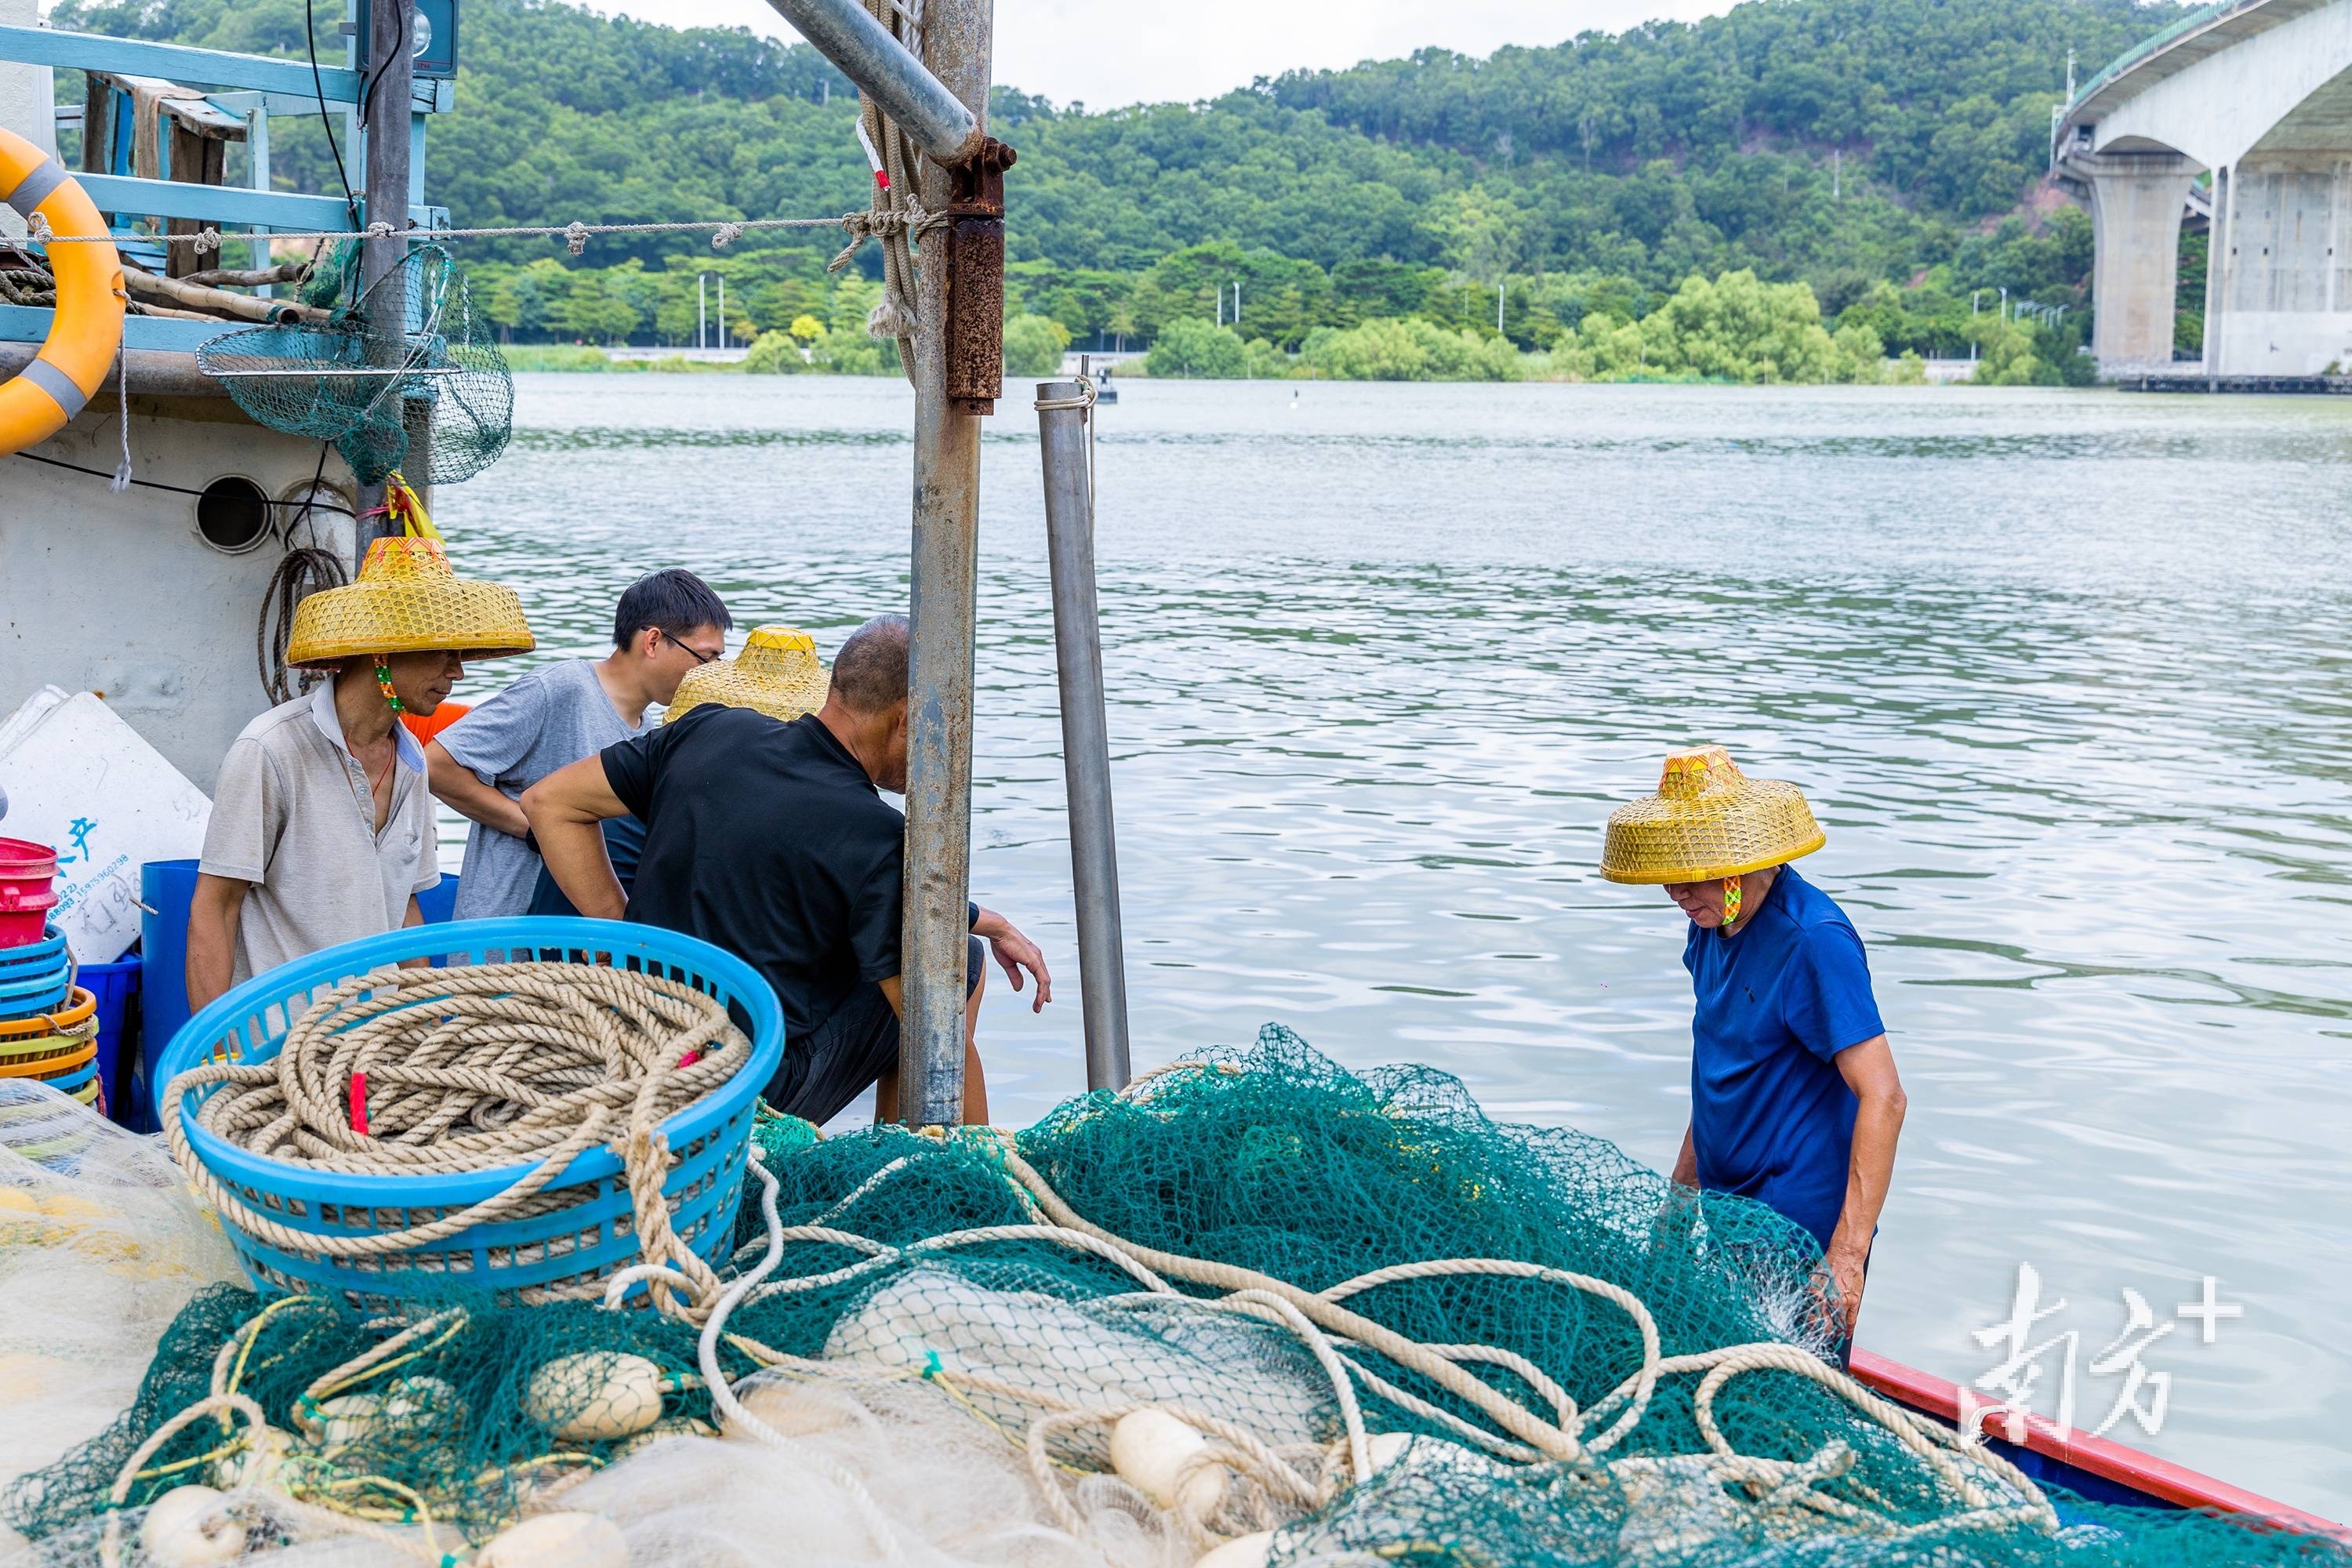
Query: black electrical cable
x=375, y=78
x=302, y=571
x=299, y=573
x=318, y=483
x=318, y=87
x=184, y=490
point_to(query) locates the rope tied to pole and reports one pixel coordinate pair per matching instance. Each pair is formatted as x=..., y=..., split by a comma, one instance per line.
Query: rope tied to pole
x=1085, y=404
x=894, y=216
x=897, y=225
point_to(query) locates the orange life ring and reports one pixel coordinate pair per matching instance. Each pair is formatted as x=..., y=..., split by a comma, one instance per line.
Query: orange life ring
x=37, y=402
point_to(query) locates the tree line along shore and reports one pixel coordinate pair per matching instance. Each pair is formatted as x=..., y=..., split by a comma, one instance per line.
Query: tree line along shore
x=1734, y=327
x=1614, y=193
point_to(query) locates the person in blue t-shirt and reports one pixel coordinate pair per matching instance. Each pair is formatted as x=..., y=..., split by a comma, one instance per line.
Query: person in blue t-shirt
x=1794, y=1097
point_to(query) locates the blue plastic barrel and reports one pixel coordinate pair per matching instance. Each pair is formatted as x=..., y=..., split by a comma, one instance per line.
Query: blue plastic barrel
x=115, y=987
x=437, y=903
x=167, y=888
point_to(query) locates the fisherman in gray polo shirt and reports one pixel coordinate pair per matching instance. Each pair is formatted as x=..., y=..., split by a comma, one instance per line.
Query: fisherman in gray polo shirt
x=665, y=627
x=321, y=829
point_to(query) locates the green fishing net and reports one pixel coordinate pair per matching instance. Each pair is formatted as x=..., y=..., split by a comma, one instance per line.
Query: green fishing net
x=470, y=1420
x=948, y=1363
x=433, y=398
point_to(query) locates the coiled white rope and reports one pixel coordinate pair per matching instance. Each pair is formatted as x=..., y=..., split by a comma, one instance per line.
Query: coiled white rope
x=422, y=1073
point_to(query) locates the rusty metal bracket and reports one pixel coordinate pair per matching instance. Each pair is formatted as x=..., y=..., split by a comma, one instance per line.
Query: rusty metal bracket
x=974, y=340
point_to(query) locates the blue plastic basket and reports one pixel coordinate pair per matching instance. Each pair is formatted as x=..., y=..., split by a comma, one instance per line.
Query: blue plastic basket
x=40, y=986
x=580, y=1229
x=79, y=1077
x=45, y=953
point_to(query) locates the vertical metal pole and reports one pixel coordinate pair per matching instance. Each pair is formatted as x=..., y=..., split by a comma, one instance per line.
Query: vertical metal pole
x=256, y=148
x=386, y=129
x=945, y=577
x=1085, y=731
x=701, y=310
x=724, y=340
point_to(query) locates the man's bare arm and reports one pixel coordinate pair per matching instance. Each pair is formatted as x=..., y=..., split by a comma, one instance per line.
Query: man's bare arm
x=212, y=937
x=456, y=786
x=567, y=810
x=1868, y=1070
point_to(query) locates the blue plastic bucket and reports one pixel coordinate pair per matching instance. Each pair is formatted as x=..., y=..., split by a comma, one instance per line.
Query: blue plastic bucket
x=167, y=888
x=568, y=1244
x=115, y=987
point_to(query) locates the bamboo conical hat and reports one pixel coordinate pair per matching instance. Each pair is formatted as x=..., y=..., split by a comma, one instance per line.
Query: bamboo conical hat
x=778, y=673
x=1707, y=820
x=407, y=600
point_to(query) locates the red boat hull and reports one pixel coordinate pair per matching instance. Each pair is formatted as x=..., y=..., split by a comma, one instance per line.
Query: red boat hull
x=2093, y=1467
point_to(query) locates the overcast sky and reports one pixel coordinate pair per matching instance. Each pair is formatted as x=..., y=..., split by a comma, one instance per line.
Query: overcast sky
x=1112, y=52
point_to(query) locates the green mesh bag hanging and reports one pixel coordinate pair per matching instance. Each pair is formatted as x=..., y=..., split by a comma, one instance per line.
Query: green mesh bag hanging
x=434, y=399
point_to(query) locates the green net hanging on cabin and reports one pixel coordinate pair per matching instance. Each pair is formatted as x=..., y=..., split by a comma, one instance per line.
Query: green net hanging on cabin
x=930, y=1372
x=434, y=399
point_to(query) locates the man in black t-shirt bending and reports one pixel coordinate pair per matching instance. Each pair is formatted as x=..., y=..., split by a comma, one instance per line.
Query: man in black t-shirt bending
x=770, y=839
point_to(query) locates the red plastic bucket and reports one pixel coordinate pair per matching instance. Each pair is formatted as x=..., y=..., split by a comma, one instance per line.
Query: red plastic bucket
x=28, y=874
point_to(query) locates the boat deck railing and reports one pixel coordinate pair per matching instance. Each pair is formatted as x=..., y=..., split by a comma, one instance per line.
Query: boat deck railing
x=250, y=88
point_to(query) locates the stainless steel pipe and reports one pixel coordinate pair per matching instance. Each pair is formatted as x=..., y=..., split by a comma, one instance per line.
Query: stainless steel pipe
x=934, y=112
x=1085, y=731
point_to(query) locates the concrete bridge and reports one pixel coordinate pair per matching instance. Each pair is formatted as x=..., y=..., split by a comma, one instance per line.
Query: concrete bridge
x=2240, y=113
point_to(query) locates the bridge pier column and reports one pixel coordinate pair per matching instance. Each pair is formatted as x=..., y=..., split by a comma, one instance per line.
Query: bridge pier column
x=2278, y=294
x=2136, y=202
x=2217, y=268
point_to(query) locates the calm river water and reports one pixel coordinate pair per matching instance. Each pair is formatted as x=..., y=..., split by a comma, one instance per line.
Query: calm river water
x=2064, y=675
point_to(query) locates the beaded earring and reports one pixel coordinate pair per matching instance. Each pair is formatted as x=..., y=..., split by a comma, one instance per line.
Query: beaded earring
x=1730, y=901
x=383, y=684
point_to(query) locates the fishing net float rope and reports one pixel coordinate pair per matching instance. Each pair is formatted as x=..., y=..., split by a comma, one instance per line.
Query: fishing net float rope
x=1927, y=1441
x=1774, y=1482
x=476, y=1068
x=1437, y=1363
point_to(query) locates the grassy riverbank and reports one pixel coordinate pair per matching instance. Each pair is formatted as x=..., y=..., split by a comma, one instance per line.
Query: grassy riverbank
x=1734, y=329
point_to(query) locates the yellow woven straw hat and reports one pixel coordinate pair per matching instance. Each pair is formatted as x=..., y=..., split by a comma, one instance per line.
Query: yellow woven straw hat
x=407, y=600
x=778, y=673
x=1707, y=820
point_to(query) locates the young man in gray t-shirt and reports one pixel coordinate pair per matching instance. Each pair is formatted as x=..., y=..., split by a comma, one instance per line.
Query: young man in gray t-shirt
x=665, y=626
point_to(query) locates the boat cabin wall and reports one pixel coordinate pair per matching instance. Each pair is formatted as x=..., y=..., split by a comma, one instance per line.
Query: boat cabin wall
x=125, y=595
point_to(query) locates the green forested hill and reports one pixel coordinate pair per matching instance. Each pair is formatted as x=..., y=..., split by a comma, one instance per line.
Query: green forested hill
x=1845, y=144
